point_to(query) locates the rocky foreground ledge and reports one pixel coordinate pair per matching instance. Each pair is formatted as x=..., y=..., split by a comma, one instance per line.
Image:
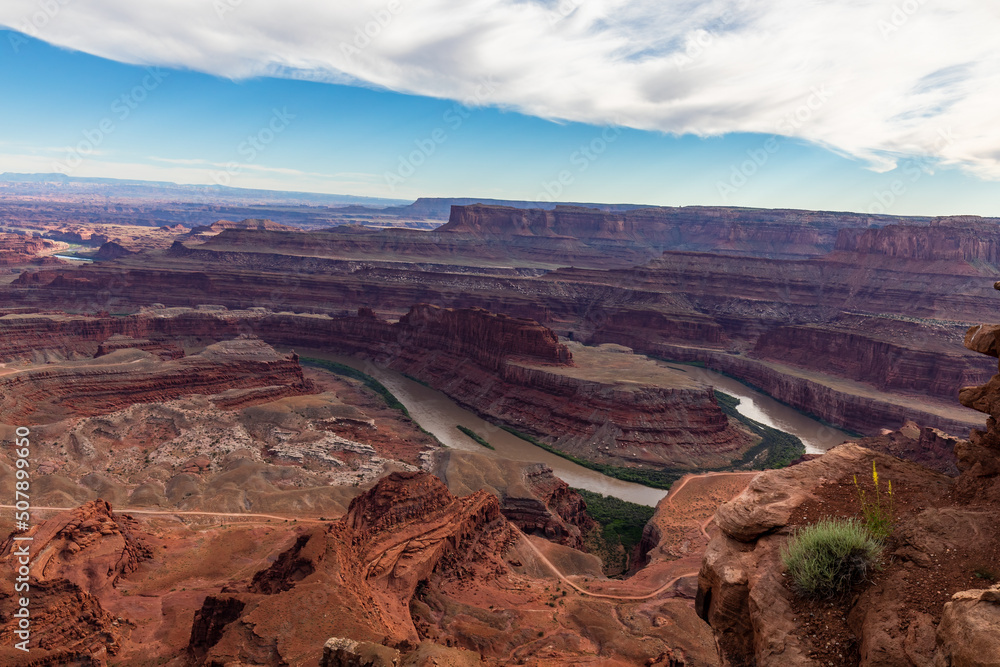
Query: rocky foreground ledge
x=931, y=606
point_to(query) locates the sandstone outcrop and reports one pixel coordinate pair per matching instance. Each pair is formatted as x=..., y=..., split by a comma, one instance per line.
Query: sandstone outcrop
x=112, y=250
x=343, y=652
x=742, y=593
x=510, y=369
x=20, y=249
x=531, y=497
x=957, y=240
x=923, y=608
x=415, y=576
x=128, y=376
x=408, y=529
x=302, y=453
x=881, y=356
x=111, y=544
x=768, y=233
x=517, y=372
x=77, y=558
x=77, y=236
x=854, y=405
x=255, y=224
x=927, y=446
x=120, y=342
x=968, y=633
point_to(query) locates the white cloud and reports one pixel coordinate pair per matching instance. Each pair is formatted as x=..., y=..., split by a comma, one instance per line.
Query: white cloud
x=877, y=80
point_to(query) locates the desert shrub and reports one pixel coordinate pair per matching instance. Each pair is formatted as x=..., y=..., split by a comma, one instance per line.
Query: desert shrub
x=878, y=509
x=621, y=520
x=829, y=557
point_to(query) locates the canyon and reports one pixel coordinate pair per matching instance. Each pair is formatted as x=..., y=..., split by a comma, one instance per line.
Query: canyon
x=243, y=368
x=511, y=370
x=815, y=325
x=211, y=487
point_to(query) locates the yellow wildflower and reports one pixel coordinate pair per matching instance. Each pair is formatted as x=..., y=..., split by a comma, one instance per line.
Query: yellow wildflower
x=874, y=473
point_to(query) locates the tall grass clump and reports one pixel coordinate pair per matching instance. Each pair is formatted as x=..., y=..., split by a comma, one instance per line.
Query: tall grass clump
x=827, y=558
x=878, y=509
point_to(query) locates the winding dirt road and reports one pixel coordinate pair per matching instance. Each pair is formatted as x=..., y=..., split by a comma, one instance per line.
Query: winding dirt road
x=582, y=591
x=703, y=526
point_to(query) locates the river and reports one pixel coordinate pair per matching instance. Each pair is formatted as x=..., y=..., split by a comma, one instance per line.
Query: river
x=815, y=435
x=440, y=415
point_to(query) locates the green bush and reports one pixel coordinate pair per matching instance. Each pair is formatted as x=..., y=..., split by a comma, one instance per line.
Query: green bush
x=829, y=557
x=621, y=520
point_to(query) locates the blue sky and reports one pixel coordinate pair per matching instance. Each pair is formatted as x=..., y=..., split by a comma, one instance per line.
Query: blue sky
x=291, y=128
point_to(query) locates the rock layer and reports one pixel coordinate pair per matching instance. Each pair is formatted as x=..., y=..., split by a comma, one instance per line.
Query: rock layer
x=510, y=369
x=915, y=612
x=77, y=557
x=736, y=286
x=531, y=497
x=129, y=376
x=406, y=530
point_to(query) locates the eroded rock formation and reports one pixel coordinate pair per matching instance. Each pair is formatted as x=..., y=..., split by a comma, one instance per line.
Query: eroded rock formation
x=756, y=294
x=927, y=446
x=413, y=575
x=531, y=497
x=129, y=376
x=255, y=224
x=77, y=557
x=923, y=608
x=112, y=250
x=367, y=567
x=510, y=369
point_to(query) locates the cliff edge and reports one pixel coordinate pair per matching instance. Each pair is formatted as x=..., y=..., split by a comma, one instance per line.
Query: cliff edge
x=934, y=603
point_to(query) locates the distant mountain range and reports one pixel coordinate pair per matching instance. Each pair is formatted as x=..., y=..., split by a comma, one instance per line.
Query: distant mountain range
x=61, y=184
x=432, y=208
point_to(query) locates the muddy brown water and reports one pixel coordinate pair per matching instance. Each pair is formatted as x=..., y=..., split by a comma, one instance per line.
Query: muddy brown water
x=440, y=415
x=815, y=435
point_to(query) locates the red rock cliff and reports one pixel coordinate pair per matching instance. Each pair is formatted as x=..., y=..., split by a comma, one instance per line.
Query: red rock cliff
x=113, y=381
x=362, y=572
x=953, y=239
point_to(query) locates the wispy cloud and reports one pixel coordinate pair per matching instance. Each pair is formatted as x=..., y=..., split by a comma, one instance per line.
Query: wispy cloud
x=284, y=171
x=200, y=172
x=900, y=73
